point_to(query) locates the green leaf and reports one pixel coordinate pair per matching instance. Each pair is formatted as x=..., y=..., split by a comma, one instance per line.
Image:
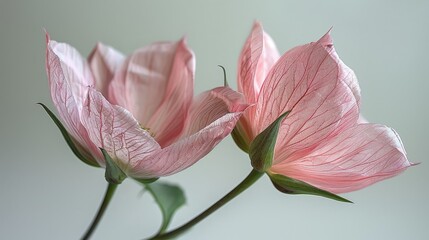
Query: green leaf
x=113, y=174
x=261, y=150
x=293, y=186
x=74, y=145
x=169, y=199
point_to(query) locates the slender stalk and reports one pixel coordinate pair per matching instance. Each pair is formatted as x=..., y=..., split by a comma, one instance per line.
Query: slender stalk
x=106, y=200
x=246, y=183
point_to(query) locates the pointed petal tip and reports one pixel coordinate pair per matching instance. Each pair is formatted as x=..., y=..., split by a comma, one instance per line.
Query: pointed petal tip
x=99, y=47
x=326, y=39
x=183, y=44
x=183, y=41
x=257, y=26
x=47, y=37
x=257, y=23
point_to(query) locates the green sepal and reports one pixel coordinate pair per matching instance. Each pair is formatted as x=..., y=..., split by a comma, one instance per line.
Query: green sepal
x=146, y=181
x=239, y=140
x=261, y=150
x=225, y=82
x=74, y=145
x=113, y=174
x=169, y=198
x=293, y=186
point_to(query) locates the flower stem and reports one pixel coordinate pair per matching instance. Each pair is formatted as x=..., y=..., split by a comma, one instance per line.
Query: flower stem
x=107, y=197
x=246, y=183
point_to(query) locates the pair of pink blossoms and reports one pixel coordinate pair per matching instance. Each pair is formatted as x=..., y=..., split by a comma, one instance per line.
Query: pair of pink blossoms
x=142, y=112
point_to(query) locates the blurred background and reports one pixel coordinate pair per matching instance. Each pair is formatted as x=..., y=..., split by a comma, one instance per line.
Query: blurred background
x=46, y=193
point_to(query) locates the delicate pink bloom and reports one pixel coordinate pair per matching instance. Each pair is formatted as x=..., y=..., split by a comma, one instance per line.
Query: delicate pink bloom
x=320, y=142
x=140, y=109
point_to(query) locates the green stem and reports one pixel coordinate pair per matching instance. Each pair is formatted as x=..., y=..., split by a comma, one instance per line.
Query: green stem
x=107, y=197
x=246, y=183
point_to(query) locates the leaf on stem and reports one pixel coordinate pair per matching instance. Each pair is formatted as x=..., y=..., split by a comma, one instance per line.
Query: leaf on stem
x=169, y=198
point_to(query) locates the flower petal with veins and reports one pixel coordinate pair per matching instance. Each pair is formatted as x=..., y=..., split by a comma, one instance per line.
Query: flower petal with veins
x=212, y=117
x=309, y=82
x=115, y=130
x=356, y=158
x=149, y=93
x=104, y=62
x=259, y=54
x=69, y=77
x=169, y=119
x=323, y=140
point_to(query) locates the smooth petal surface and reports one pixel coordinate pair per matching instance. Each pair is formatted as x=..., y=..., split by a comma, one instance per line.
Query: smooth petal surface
x=142, y=80
x=319, y=90
x=354, y=159
x=148, y=78
x=114, y=129
x=104, y=62
x=169, y=119
x=213, y=115
x=69, y=77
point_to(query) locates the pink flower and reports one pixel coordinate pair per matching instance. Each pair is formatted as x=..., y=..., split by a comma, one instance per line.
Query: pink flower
x=140, y=109
x=320, y=142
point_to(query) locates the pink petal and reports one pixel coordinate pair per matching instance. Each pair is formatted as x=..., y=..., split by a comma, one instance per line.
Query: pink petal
x=168, y=121
x=212, y=105
x=114, y=129
x=140, y=84
x=213, y=116
x=354, y=159
x=69, y=78
x=66, y=66
x=362, y=119
x=257, y=57
x=351, y=80
x=104, y=62
x=319, y=90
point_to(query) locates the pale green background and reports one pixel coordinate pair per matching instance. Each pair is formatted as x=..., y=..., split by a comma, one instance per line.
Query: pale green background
x=46, y=193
